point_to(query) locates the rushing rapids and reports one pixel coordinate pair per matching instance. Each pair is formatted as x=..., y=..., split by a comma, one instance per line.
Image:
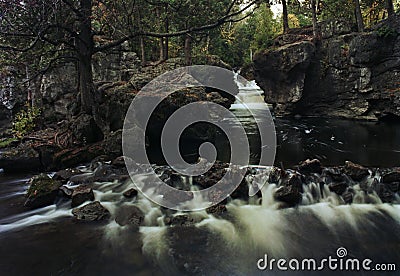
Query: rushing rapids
x=246, y=228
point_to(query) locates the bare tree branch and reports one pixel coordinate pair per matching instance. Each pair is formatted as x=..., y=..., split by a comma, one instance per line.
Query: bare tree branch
x=225, y=19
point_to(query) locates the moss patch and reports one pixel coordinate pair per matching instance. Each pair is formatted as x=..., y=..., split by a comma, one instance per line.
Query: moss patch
x=42, y=184
x=5, y=142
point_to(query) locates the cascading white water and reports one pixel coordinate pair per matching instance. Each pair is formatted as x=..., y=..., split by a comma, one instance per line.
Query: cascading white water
x=315, y=229
x=320, y=225
x=250, y=96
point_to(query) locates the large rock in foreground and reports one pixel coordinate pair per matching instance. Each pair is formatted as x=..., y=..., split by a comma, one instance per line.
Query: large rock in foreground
x=42, y=192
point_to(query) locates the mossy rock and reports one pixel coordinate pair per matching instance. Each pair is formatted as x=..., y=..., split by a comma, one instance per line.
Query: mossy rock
x=93, y=211
x=7, y=142
x=42, y=191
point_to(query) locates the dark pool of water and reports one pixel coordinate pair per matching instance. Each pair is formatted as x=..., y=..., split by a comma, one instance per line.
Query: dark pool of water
x=333, y=141
x=336, y=141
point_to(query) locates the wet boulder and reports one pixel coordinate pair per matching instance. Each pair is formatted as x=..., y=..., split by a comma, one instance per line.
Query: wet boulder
x=65, y=175
x=109, y=173
x=185, y=220
x=355, y=171
x=99, y=161
x=217, y=210
x=93, y=211
x=130, y=193
x=310, y=166
x=66, y=192
x=393, y=176
x=81, y=194
x=296, y=181
x=172, y=197
x=334, y=174
x=119, y=162
x=387, y=196
x=211, y=177
x=176, y=181
x=338, y=188
x=42, y=191
x=129, y=215
x=290, y=195
x=276, y=175
x=242, y=191
x=348, y=197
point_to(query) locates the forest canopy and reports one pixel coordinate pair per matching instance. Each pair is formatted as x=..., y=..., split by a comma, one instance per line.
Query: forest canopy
x=36, y=35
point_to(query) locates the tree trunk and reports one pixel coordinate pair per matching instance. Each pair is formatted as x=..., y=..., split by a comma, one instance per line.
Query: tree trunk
x=161, y=40
x=314, y=18
x=161, y=47
x=359, y=18
x=390, y=7
x=208, y=41
x=142, y=51
x=85, y=46
x=188, y=49
x=166, y=40
x=141, y=38
x=86, y=86
x=285, y=17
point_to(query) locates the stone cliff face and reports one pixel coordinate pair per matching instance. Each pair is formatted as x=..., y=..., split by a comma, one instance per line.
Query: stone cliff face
x=345, y=74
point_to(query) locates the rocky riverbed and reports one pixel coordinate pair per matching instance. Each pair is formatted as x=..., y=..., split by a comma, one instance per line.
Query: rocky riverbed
x=96, y=210
x=305, y=184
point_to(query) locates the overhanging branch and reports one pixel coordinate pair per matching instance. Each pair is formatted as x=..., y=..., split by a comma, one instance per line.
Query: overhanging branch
x=225, y=19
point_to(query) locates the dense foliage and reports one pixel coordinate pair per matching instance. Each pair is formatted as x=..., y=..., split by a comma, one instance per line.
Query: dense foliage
x=36, y=35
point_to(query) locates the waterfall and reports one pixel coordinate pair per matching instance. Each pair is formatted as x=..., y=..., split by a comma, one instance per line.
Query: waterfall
x=250, y=96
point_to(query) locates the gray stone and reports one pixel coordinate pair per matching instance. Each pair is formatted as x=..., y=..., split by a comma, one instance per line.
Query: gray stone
x=350, y=75
x=81, y=194
x=281, y=72
x=129, y=215
x=91, y=212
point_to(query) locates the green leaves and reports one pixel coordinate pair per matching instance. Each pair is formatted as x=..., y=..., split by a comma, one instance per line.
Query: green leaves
x=26, y=121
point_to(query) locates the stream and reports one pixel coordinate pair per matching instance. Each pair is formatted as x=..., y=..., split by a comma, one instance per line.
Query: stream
x=48, y=241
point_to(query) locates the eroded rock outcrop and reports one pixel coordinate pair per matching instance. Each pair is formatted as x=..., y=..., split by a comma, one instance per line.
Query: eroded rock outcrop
x=346, y=74
x=284, y=69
